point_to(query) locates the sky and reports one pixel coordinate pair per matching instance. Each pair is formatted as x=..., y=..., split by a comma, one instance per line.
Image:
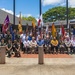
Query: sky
x=31, y=7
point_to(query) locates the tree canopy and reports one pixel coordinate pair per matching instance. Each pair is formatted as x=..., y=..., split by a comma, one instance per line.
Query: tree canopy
x=58, y=13
x=30, y=18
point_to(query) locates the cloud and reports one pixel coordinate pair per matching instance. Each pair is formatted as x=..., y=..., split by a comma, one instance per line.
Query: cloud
x=11, y=12
x=63, y=4
x=8, y=11
x=25, y=15
x=51, y=2
x=58, y=2
x=72, y=3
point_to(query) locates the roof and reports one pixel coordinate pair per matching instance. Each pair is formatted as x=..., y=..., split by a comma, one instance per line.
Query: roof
x=63, y=22
x=3, y=15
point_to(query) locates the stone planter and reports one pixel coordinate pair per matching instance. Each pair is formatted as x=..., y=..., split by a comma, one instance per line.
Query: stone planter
x=40, y=55
x=2, y=54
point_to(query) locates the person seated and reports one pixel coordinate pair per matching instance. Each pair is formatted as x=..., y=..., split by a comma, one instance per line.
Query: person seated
x=26, y=44
x=47, y=44
x=30, y=37
x=33, y=44
x=9, y=48
x=1, y=36
x=16, y=47
x=2, y=43
x=54, y=45
x=73, y=45
x=40, y=41
x=68, y=44
x=61, y=46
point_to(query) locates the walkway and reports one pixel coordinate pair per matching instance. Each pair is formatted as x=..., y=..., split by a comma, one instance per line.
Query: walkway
x=29, y=66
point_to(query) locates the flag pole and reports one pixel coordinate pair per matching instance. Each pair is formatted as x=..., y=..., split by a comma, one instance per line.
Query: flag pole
x=40, y=8
x=40, y=48
x=40, y=13
x=14, y=12
x=67, y=13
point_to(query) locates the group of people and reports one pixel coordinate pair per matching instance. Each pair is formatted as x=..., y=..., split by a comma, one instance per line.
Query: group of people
x=27, y=43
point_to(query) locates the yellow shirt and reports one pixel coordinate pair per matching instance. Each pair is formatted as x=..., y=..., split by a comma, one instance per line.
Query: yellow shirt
x=54, y=42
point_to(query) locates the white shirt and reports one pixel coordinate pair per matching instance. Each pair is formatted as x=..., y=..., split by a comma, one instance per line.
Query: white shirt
x=73, y=43
x=33, y=43
x=26, y=43
x=22, y=36
x=68, y=43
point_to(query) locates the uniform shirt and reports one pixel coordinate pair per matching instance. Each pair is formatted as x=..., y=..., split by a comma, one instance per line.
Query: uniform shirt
x=2, y=44
x=1, y=36
x=9, y=45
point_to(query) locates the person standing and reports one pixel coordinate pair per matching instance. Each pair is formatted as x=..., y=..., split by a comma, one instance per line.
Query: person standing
x=22, y=39
x=8, y=36
x=13, y=35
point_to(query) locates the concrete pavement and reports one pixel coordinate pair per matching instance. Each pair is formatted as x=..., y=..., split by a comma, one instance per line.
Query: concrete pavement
x=29, y=66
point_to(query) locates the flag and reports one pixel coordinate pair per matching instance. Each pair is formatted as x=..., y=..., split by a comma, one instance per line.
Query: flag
x=40, y=24
x=53, y=30
x=5, y=25
x=20, y=25
x=47, y=29
x=27, y=28
x=60, y=33
x=33, y=24
x=40, y=21
x=11, y=29
x=74, y=30
x=63, y=30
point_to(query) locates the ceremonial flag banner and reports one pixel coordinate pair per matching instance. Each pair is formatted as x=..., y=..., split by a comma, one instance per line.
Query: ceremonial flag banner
x=47, y=29
x=63, y=30
x=53, y=30
x=40, y=22
x=20, y=25
x=33, y=24
x=5, y=25
x=74, y=31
